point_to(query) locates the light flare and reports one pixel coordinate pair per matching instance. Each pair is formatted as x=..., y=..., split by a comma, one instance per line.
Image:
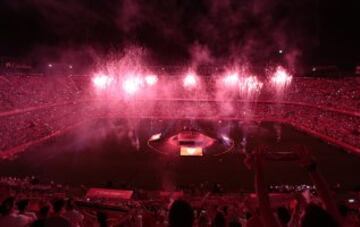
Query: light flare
x=250, y=84
x=226, y=138
x=155, y=137
x=191, y=151
x=151, y=79
x=132, y=84
x=190, y=80
x=281, y=78
x=102, y=81
x=231, y=79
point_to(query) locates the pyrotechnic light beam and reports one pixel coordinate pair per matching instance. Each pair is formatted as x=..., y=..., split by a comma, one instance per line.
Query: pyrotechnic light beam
x=132, y=85
x=102, y=81
x=281, y=78
x=190, y=80
x=151, y=80
x=250, y=84
x=231, y=79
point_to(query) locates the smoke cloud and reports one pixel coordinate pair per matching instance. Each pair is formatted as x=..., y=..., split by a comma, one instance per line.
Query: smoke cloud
x=217, y=32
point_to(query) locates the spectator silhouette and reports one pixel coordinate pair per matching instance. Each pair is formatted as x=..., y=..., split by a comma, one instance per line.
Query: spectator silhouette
x=102, y=219
x=8, y=217
x=181, y=214
x=317, y=216
x=42, y=216
x=57, y=220
x=219, y=220
x=283, y=215
x=23, y=213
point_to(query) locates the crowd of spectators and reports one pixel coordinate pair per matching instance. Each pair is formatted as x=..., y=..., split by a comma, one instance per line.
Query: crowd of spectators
x=62, y=105
x=19, y=92
x=342, y=94
x=28, y=202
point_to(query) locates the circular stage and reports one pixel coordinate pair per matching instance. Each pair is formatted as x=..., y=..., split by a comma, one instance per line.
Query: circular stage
x=190, y=142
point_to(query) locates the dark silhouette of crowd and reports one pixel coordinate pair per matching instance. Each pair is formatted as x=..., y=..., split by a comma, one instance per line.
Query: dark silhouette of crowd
x=321, y=209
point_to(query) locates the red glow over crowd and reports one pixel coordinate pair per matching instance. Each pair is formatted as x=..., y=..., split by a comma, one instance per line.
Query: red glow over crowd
x=46, y=107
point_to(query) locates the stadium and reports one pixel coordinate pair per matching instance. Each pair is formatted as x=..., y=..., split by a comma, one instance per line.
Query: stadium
x=126, y=142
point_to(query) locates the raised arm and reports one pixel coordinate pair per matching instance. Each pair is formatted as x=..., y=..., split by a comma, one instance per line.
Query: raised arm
x=308, y=161
x=296, y=214
x=255, y=162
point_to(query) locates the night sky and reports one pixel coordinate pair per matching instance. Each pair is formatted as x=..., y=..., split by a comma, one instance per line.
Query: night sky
x=175, y=31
